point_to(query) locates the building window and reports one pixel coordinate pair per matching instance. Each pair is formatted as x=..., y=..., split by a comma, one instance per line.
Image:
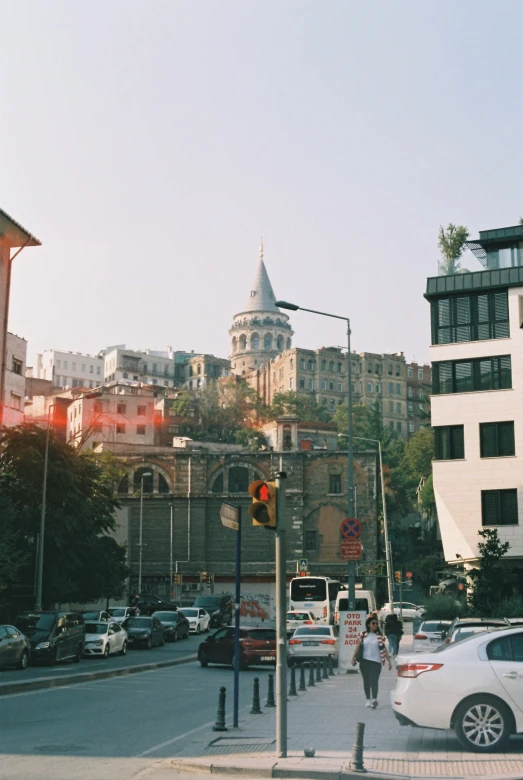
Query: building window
x=291, y=362
x=323, y=384
x=420, y=392
x=267, y=341
x=302, y=384
x=409, y=372
x=140, y=430
x=146, y=481
x=339, y=368
x=324, y=402
x=125, y=376
x=369, y=368
x=238, y=480
x=163, y=487
x=499, y=507
x=120, y=427
x=331, y=386
x=398, y=388
x=420, y=373
x=291, y=383
x=58, y=364
x=369, y=387
x=17, y=366
x=449, y=442
x=65, y=363
x=398, y=427
x=302, y=365
x=391, y=388
x=331, y=365
x=334, y=483
x=310, y=365
x=421, y=409
x=496, y=439
x=467, y=376
x=391, y=407
x=339, y=387
x=123, y=486
x=391, y=424
x=73, y=367
x=16, y=401
x=389, y=370
x=141, y=411
x=121, y=408
x=332, y=404
x=98, y=370
x=398, y=408
x=97, y=428
x=323, y=365
x=217, y=485
x=412, y=427
x=472, y=317
x=410, y=406
x=409, y=392
x=311, y=541
x=397, y=370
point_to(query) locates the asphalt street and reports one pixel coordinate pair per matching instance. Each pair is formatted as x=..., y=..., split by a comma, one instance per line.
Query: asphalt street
x=116, y=727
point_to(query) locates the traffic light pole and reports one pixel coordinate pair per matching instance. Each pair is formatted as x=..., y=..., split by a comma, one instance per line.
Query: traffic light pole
x=281, y=610
x=237, y=600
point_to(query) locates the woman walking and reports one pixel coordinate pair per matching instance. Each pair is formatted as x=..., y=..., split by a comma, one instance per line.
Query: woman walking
x=371, y=653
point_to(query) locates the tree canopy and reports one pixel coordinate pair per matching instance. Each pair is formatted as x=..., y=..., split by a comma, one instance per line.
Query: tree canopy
x=451, y=243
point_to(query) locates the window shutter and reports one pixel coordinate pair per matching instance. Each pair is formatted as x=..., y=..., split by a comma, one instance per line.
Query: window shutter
x=457, y=445
x=506, y=439
x=509, y=507
x=462, y=318
x=488, y=440
x=505, y=372
x=490, y=507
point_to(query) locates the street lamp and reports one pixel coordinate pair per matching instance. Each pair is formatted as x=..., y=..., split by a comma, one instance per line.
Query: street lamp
x=140, y=546
x=40, y=566
x=350, y=458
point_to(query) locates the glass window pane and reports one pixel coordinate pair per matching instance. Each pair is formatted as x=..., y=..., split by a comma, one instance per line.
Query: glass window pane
x=464, y=381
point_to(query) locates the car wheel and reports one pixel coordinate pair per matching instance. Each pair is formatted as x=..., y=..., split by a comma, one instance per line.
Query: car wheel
x=203, y=658
x=54, y=657
x=483, y=724
x=208, y=628
x=123, y=651
x=198, y=629
x=24, y=660
x=149, y=643
x=78, y=655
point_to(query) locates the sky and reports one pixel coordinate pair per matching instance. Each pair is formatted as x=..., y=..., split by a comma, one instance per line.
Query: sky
x=150, y=145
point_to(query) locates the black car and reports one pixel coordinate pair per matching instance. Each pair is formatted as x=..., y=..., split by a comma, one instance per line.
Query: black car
x=175, y=624
x=54, y=635
x=15, y=648
x=148, y=603
x=144, y=631
x=219, y=608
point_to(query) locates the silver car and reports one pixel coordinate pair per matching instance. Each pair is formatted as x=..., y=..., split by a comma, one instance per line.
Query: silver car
x=103, y=639
x=311, y=642
x=430, y=635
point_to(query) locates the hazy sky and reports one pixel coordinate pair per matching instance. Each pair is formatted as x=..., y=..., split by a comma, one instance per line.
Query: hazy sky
x=150, y=144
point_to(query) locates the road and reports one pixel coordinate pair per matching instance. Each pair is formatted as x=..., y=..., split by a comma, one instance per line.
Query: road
x=117, y=727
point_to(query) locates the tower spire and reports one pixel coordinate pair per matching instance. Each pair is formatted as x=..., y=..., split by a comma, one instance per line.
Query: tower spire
x=261, y=247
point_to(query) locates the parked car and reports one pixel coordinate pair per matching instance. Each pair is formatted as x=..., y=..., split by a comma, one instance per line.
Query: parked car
x=54, y=635
x=431, y=634
x=311, y=642
x=15, y=647
x=297, y=618
x=473, y=686
x=462, y=628
x=219, y=608
x=119, y=613
x=406, y=610
x=95, y=615
x=144, y=631
x=199, y=619
x=149, y=603
x=103, y=639
x=175, y=624
x=257, y=646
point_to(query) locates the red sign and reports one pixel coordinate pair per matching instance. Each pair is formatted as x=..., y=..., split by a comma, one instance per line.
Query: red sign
x=350, y=528
x=351, y=549
x=408, y=575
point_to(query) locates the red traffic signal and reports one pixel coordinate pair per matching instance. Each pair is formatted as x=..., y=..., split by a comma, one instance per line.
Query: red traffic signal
x=263, y=508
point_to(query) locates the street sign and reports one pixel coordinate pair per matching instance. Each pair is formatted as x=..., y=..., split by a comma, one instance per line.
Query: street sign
x=350, y=528
x=351, y=549
x=304, y=564
x=409, y=583
x=229, y=515
x=408, y=575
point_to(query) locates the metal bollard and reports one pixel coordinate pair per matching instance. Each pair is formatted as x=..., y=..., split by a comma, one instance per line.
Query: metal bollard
x=292, y=687
x=311, y=674
x=270, y=693
x=256, y=697
x=325, y=674
x=302, y=686
x=318, y=670
x=220, y=715
x=356, y=763
x=331, y=667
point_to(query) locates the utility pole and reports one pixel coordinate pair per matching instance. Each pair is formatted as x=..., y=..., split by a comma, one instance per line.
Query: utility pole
x=281, y=610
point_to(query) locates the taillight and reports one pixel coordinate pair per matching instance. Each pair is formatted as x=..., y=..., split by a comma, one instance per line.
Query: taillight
x=327, y=642
x=295, y=641
x=324, y=612
x=308, y=622
x=335, y=617
x=248, y=642
x=420, y=636
x=414, y=670
x=447, y=640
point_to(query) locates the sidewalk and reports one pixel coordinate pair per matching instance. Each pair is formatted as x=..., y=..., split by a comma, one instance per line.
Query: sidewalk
x=324, y=718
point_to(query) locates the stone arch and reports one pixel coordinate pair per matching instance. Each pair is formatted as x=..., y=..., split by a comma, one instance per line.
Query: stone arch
x=255, y=340
x=243, y=473
x=159, y=482
x=279, y=342
x=243, y=342
x=267, y=341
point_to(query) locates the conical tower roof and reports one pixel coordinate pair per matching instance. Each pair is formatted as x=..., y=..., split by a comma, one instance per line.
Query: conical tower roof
x=261, y=296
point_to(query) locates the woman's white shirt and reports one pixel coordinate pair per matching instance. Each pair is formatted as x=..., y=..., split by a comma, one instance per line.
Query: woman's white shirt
x=371, y=648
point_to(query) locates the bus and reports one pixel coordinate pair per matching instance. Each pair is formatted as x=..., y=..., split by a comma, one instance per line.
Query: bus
x=317, y=595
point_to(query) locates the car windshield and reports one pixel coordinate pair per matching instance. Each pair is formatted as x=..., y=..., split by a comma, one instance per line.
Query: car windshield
x=262, y=634
x=28, y=624
x=117, y=612
x=96, y=628
x=313, y=630
x=362, y=605
x=433, y=627
x=139, y=622
x=167, y=617
x=298, y=616
x=208, y=603
x=190, y=612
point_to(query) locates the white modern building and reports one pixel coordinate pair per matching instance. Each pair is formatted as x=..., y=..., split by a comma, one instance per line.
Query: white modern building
x=69, y=369
x=14, y=388
x=477, y=398
x=148, y=366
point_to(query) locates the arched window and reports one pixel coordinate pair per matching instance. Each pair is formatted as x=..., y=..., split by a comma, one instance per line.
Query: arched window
x=243, y=342
x=123, y=487
x=279, y=343
x=255, y=341
x=287, y=437
x=238, y=479
x=339, y=368
x=331, y=386
x=267, y=341
x=323, y=365
x=331, y=365
x=310, y=365
x=163, y=487
x=217, y=485
x=199, y=369
x=190, y=371
x=147, y=481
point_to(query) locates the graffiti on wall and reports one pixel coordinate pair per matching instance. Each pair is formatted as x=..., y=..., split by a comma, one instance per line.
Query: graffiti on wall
x=254, y=605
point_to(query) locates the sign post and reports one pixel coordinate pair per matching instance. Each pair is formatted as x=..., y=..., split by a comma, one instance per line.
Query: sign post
x=231, y=517
x=350, y=531
x=351, y=624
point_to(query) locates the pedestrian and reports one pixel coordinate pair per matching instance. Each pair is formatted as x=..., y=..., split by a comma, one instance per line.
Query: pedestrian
x=393, y=632
x=135, y=610
x=371, y=654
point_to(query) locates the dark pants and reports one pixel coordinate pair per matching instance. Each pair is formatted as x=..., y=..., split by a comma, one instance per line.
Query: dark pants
x=370, y=671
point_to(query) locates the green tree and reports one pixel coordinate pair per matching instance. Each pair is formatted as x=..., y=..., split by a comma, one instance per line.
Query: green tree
x=426, y=495
x=14, y=555
x=451, y=243
x=80, y=509
x=486, y=593
x=297, y=405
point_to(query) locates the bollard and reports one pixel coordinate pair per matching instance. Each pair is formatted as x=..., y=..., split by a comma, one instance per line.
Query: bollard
x=270, y=693
x=356, y=763
x=256, y=697
x=331, y=667
x=318, y=670
x=292, y=687
x=220, y=715
x=302, y=679
x=311, y=675
x=325, y=675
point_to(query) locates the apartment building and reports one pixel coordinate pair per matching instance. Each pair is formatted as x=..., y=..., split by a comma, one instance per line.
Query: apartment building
x=477, y=398
x=69, y=369
x=14, y=386
x=419, y=386
x=198, y=371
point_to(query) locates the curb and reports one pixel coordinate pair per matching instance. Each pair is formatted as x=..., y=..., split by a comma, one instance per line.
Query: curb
x=39, y=683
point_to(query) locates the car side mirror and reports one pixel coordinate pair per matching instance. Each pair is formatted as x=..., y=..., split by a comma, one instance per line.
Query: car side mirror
x=111, y=631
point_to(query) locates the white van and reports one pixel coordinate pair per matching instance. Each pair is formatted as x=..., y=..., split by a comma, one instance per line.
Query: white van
x=365, y=602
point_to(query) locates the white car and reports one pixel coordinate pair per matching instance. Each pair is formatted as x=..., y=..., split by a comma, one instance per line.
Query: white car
x=408, y=610
x=119, y=613
x=474, y=686
x=199, y=619
x=311, y=642
x=104, y=639
x=298, y=618
x=431, y=634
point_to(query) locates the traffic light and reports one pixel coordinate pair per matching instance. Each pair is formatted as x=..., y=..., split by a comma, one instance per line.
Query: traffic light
x=263, y=507
x=207, y=576
x=397, y=576
x=177, y=579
